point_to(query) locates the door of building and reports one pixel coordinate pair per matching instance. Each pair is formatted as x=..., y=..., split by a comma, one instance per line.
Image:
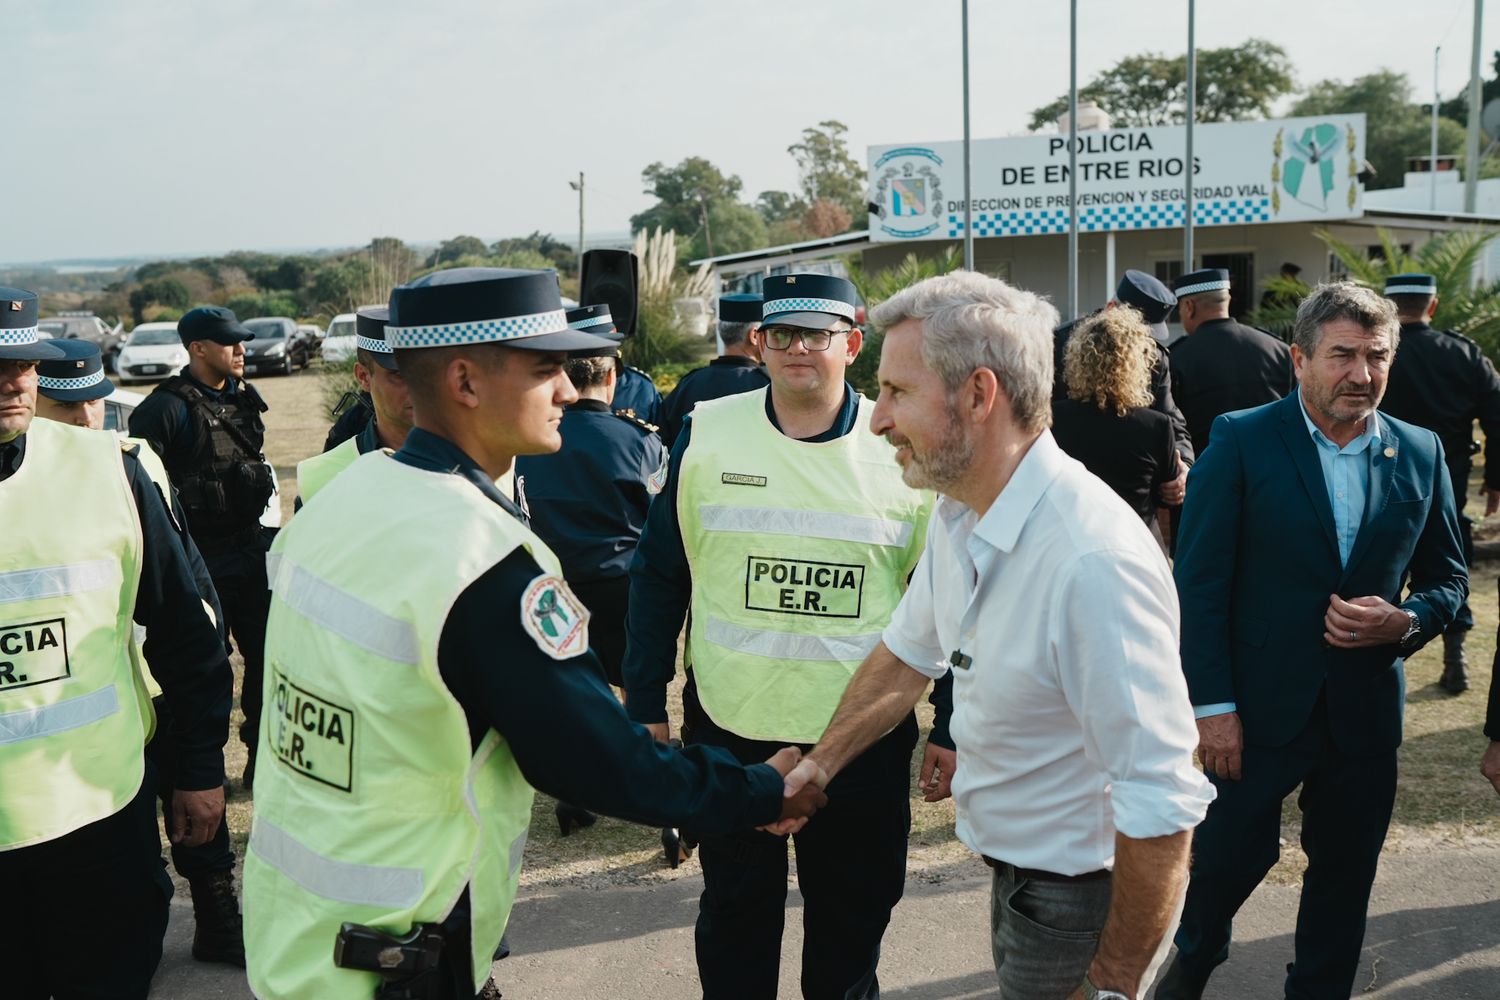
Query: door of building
x=1241, y=268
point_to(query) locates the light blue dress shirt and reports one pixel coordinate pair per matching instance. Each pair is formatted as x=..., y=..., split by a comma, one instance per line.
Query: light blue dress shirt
x=1346, y=474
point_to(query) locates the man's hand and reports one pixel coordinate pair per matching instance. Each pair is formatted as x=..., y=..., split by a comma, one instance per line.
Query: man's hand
x=196, y=815
x=1489, y=764
x=1171, y=492
x=784, y=760
x=1491, y=500
x=1363, y=622
x=804, y=783
x=1221, y=741
x=936, y=779
x=661, y=732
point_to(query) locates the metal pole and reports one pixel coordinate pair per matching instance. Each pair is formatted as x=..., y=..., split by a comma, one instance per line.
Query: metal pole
x=1471, y=157
x=968, y=155
x=1192, y=114
x=579, y=188
x=1073, y=160
x=1432, y=147
x=1109, y=263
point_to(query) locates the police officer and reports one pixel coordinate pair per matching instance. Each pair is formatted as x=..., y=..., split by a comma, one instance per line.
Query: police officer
x=1222, y=365
x=634, y=390
x=89, y=547
x=1155, y=302
x=1441, y=380
x=737, y=368
x=390, y=406
x=399, y=757
x=72, y=390
x=589, y=499
x=785, y=524
x=205, y=423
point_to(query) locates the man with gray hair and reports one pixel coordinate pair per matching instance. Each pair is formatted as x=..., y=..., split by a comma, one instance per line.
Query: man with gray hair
x=737, y=369
x=1302, y=522
x=1054, y=609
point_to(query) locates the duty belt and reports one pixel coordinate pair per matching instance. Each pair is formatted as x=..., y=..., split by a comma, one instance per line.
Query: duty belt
x=1037, y=875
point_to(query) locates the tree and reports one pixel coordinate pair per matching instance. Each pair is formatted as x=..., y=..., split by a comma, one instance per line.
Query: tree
x=167, y=292
x=825, y=218
x=1395, y=128
x=1234, y=84
x=875, y=287
x=698, y=201
x=459, y=246
x=827, y=170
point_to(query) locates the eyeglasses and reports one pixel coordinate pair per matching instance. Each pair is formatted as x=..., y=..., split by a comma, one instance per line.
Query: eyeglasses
x=779, y=338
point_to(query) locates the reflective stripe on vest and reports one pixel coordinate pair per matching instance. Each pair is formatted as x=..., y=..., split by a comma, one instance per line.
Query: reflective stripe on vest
x=799, y=554
x=48, y=720
x=73, y=709
x=56, y=581
x=371, y=804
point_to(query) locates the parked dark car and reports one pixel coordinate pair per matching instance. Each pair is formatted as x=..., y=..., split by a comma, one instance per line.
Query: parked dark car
x=277, y=347
x=86, y=326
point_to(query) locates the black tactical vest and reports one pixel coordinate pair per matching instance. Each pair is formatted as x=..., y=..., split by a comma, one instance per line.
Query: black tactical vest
x=223, y=479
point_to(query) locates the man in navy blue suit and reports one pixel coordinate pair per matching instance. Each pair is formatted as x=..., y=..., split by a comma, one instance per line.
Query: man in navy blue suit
x=1303, y=519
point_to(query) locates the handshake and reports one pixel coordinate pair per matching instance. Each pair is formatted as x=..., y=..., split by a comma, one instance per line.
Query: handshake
x=804, y=782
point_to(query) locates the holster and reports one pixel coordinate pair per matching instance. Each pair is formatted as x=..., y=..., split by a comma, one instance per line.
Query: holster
x=411, y=966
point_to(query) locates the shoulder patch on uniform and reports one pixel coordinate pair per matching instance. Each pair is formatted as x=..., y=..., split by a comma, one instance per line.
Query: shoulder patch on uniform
x=658, y=480
x=628, y=415
x=555, y=619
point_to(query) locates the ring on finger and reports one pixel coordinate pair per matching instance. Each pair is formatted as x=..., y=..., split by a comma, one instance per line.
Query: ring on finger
x=1353, y=635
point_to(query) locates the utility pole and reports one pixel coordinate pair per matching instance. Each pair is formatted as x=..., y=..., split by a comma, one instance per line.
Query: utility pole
x=1192, y=114
x=708, y=235
x=968, y=156
x=1073, y=160
x=578, y=186
x=1471, y=158
x=1432, y=147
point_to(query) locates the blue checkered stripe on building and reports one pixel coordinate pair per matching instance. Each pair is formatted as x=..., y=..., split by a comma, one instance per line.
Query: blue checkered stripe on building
x=1165, y=215
x=59, y=384
x=479, y=331
x=777, y=306
x=372, y=345
x=19, y=336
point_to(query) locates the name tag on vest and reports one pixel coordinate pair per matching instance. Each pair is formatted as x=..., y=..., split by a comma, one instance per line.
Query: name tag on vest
x=801, y=587
x=33, y=653
x=312, y=735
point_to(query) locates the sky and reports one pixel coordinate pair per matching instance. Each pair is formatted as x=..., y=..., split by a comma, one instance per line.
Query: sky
x=143, y=127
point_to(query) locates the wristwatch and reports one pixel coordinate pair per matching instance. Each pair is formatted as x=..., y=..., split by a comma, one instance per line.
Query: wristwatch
x=1092, y=992
x=1414, y=632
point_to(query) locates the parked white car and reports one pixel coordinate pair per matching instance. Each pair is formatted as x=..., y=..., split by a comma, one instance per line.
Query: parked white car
x=338, y=342
x=120, y=404
x=151, y=353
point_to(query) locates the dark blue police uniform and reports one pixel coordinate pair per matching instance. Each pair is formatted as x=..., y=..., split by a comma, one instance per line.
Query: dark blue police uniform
x=210, y=441
x=634, y=390
x=588, y=502
x=726, y=376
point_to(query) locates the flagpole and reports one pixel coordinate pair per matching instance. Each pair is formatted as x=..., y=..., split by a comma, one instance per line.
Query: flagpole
x=968, y=155
x=1073, y=160
x=1192, y=113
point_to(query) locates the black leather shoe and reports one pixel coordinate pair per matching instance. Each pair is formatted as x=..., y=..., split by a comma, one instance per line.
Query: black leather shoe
x=1180, y=984
x=218, y=930
x=1455, y=679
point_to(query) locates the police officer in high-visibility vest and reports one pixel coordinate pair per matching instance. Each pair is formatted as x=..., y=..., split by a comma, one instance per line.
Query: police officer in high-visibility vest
x=737, y=369
x=72, y=390
x=89, y=550
x=205, y=423
x=785, y=525
x=390, y=406
x=427, y=666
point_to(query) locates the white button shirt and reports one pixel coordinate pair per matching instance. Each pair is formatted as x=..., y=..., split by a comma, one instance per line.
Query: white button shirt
x=1073, y=720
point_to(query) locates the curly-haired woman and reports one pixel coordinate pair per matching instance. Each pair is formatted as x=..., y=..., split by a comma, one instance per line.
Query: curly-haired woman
x=1106, y=422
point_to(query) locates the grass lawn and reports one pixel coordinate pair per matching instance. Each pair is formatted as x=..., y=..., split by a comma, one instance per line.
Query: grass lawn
x=1441, y=798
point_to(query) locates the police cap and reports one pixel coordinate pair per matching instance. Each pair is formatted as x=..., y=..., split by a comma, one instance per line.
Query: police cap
x=1149, y=297
x=19, y=339
x=1210, y=279
x=1411, y=284
x=484, y=305
x=369, y=335
x=744, y=307
x=812, y=301
x=76, y=377
x=212, y=323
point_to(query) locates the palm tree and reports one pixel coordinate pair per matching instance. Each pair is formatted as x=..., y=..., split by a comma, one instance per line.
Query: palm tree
x=1472, y=310
x=875, y=288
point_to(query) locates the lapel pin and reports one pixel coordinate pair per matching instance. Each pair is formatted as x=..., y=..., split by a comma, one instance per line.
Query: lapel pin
x=1390, y=453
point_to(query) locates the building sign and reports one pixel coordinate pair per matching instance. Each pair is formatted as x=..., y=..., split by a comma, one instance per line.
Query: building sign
x=1288, y=170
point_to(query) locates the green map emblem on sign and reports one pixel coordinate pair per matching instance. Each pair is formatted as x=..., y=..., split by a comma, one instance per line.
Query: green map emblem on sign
x=1308, y=173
